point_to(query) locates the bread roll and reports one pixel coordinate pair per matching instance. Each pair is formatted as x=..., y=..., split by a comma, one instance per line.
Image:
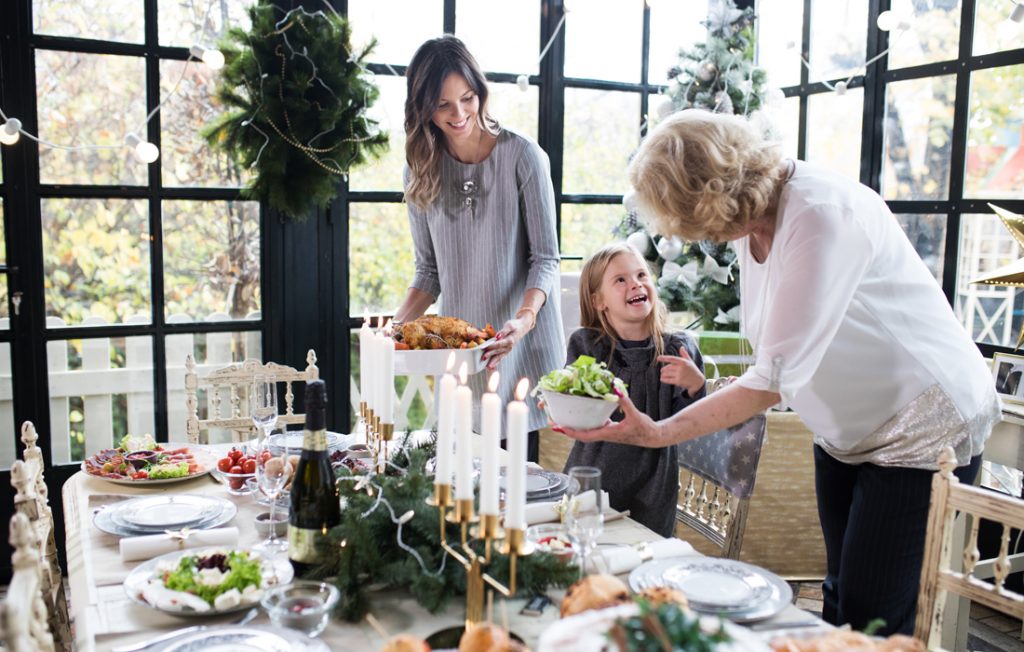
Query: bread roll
x=659, y=595
x=484, y=637
x=594, y=592
x=406, y=643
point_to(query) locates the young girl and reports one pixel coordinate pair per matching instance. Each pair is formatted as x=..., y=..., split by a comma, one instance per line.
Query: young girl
x=624, y=325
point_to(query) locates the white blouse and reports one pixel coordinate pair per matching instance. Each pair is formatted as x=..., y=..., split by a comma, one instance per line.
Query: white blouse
x=854, y=323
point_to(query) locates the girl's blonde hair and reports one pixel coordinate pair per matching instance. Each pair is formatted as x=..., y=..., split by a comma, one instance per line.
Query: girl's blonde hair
x=704, y=176
x=424, y=141
x=590, y=286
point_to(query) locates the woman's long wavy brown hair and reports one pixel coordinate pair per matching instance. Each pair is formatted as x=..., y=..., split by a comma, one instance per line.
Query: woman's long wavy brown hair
x=424, y=141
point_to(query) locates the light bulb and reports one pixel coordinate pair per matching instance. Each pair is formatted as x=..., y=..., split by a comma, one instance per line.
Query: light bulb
x=840, y=88
x=1017, y=15
x=145, y=151
x=523, y=82
x=10, y=131
x=210, y=56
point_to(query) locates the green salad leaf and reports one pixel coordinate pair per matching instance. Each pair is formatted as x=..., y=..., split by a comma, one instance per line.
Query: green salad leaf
x=241, y=572
x=584, y=377
x=168, y=470
x=132, y=443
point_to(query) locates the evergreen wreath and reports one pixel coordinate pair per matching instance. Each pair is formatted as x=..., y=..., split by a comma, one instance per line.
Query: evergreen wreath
x=297, y=95
x=368, y=550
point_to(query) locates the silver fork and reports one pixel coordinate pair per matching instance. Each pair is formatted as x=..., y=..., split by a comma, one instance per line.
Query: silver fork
x=135, y=647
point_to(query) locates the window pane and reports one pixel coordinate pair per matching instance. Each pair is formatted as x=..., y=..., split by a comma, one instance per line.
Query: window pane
x=211, y=260
x=779, y=34
x=934, y=36
x=602, y=129
x=385, y=173
x=90, y=99
x=785, y=120
x=512, y=48
x=834, y=140
x=378, y=231
x=992, y=29
x=96, y=261
x=400, y=26
x=995, y=134
x=100, y=390
x=211, y=351
x=188, y=22
x=96, y=19
x=991, y=313
x=674, y=26
x=838, y=37
x=8, y=433
x=515, y=109
x=185, y=158
x=588, y=227
x=603, y=40
x=918, y=138
x=927, y=233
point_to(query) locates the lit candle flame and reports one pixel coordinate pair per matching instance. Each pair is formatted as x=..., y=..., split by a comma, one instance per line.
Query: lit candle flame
x=463, y=373
x=522, y=388
x=451, y=363
x=492, y=384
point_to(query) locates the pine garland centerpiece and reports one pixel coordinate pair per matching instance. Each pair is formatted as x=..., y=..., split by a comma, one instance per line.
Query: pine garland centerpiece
x=389, y=536
x=296, y=95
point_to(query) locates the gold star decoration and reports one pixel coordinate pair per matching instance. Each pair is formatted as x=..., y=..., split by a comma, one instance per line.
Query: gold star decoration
x=1012, y=274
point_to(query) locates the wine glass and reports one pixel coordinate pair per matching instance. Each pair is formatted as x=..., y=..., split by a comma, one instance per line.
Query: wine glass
x=584, y=516
x=263, y=406
x=273, y=470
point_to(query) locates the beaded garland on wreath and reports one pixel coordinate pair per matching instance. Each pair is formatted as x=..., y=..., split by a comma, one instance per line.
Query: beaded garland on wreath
x=296, y=95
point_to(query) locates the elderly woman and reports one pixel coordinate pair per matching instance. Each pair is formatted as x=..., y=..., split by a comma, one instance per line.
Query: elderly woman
x=849, y=328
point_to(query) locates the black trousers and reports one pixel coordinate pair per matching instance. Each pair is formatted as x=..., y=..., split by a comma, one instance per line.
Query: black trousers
x=532, y=446
x=874, y=519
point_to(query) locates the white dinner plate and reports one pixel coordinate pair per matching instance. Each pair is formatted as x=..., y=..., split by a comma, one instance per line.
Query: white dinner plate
x=206, y=459
x=736, y=590
x=105, y=521
x=276, y=570
x=243, y=638
x=167, y=511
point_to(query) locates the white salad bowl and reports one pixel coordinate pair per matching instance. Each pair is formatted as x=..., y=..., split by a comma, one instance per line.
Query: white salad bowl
x=577, y=412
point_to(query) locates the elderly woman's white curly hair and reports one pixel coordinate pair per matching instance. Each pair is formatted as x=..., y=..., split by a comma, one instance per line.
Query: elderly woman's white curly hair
x=704, y=176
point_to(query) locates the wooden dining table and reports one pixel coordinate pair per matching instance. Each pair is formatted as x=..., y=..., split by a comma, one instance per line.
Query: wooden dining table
x=103, y=616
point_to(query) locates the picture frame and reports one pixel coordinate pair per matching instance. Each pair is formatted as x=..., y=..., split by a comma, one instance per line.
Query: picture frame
x=1008, y=375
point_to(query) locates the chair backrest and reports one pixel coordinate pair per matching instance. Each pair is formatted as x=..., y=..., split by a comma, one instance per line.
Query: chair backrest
x=717, y=476
x=26, y=626
x=31, y=499
x=231, y=386
x=938, y=577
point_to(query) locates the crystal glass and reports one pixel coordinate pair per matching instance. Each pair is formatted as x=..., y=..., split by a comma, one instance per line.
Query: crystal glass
x=263, y=406
x=584, y=518
x=272, y=474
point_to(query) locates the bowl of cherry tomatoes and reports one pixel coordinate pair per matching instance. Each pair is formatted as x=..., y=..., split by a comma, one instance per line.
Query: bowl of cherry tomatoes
x=234, y=469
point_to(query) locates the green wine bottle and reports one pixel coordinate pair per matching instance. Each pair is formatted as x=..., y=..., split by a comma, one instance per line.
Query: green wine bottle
x=314, y=496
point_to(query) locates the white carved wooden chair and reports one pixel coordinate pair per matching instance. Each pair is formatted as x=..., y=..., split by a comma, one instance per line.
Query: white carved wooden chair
x=938, y=577
x=26, y=626
x=227, y=395
x=31, y=499
x=717, y=476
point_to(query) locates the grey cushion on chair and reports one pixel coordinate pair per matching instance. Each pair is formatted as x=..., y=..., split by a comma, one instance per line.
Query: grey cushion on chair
x=728, y=457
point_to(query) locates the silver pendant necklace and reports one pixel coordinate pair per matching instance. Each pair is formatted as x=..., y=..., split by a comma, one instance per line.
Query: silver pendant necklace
x=469, y=189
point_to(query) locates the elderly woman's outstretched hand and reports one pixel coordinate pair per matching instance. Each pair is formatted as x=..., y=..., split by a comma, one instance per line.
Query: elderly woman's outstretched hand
x=636, y=428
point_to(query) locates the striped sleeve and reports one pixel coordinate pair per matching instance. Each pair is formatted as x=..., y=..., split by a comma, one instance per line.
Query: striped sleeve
x=537, y=205
x=425, y=260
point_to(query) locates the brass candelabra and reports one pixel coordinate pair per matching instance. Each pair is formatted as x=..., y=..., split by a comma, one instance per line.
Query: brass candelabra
x=377, y=436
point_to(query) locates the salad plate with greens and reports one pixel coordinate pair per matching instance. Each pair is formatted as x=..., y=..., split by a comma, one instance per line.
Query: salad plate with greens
x=141, y=460
x=580, y=395
x=206, y=581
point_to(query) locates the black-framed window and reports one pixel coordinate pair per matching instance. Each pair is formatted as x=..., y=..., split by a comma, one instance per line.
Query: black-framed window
x=935, y=126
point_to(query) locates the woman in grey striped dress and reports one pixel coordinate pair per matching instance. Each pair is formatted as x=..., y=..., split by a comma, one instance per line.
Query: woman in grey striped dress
x=482, y=213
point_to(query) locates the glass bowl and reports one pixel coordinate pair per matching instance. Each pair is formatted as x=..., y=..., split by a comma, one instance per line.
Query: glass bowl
x=302, y=605
x=284, y=501
x=552, y=538
x=235, y=482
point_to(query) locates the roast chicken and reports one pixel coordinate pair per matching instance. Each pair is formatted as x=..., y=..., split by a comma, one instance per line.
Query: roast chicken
x=434, y=332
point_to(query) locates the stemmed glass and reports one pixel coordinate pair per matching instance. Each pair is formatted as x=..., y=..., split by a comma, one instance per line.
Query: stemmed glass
x=273, y=470
x=263, y=406
x=584, y=517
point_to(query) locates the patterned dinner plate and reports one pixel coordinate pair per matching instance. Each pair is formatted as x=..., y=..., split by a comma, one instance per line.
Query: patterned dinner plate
x=736, y=590
x=166, y=512
x=105, y=520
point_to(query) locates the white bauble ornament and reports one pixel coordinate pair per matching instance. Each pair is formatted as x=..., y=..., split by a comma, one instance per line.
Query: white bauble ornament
x=639, y=241
x=840, y=88
x=665, y=108
x=629, y=201
x=707, y=71
x=723, y=103
x=523, y=82
x=670, y=248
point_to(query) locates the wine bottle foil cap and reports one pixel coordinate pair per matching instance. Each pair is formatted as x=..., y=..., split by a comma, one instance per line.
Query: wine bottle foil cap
x=316, y=395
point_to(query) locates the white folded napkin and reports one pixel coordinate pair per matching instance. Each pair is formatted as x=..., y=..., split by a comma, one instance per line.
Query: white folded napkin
x=152, y=545
x=616, y=560
x=548, y=512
